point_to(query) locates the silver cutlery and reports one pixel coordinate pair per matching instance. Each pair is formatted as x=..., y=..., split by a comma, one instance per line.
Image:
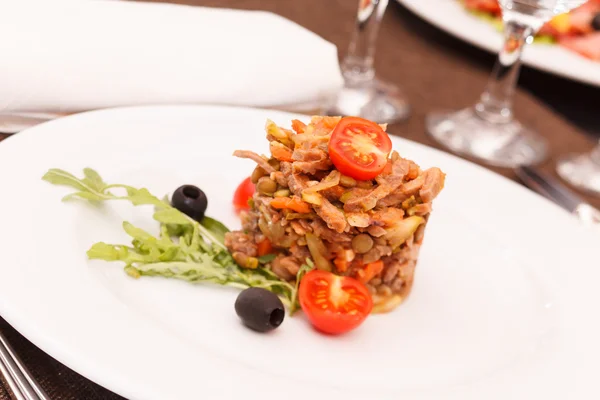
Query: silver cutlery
x=555, y=191
x=17, y=376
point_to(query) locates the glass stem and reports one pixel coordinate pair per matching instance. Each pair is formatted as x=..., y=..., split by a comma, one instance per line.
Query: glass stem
x=495, y=104
x=357, y=66
x=595, y=154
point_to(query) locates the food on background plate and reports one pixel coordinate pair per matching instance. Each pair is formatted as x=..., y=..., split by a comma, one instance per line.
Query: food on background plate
x=334, y=192
x=578, y=30
x=332, y=223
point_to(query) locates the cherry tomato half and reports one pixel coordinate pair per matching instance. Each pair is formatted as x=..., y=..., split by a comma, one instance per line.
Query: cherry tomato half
x=359, y=148
x=242, y=194
x=334, y=304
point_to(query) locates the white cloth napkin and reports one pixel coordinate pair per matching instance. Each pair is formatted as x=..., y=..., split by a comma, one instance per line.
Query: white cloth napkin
x=73, y=55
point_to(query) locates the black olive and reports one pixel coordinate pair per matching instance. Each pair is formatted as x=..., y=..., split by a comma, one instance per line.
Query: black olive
x=259, y=309
x=596, y=22
x=191, y=201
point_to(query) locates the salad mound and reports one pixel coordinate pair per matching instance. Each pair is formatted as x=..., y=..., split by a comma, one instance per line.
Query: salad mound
x=333, y=191
x=332, y=223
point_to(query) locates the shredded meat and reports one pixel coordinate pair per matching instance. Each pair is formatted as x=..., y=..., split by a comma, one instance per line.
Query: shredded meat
x=376, y=231
x=413, y=171
x=300, y=253
x=433, y=184
x=285, y=267
x=310, y=161
x=393, y=199
x=249, y=220
x=376, y=253
x=421, y=209
x=387, y=216
x=280, y=178
x=298, y=228
x=386, y=186
x=321, y=230
x=255, y=157
x=360, y=220
x=297, y=183
x=411, y=188
x=333, y=216
x=285, y=167
x=333, y=193
x=240, y=242
x=391, y=271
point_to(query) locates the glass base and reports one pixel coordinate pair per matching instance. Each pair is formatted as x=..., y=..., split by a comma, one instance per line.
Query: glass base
x=499, y=144
x=373, y=100
x=581, y=171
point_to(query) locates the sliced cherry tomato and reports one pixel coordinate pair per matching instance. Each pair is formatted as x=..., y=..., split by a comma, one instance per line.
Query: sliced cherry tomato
x=334, y=304
x=243, y=194
x=359, y=148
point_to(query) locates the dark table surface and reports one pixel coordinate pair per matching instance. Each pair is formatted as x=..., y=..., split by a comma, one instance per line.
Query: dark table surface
x=436, y=71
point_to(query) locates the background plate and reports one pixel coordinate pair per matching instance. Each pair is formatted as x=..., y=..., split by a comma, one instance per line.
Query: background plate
x=450, y=16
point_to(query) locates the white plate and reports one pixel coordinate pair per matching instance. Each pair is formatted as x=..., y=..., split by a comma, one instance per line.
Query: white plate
x=505, y=299
x=450, y=16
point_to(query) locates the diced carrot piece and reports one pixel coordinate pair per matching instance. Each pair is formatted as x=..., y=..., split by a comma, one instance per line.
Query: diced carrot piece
x=370, y=271
x=291, y=203
x=264, y=247
x=341, y=264
x=281, y=152
x=298, y=126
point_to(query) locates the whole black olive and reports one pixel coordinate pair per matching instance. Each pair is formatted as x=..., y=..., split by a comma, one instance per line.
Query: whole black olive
x=259, y=309
x=596, y=22
x=191, y=201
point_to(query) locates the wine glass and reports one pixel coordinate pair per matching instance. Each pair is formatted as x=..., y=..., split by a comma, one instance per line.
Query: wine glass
x=582, y=170
x=363, y=95
x=488, y=131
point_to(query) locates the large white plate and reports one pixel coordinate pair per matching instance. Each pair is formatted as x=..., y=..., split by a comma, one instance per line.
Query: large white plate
x=450, y=16
x=504, y=305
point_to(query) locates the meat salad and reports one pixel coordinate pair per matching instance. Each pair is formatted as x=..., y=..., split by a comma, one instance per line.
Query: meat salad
x=333, y=191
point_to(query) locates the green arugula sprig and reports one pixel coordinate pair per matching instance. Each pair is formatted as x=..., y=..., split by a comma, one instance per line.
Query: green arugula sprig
x=184, y=249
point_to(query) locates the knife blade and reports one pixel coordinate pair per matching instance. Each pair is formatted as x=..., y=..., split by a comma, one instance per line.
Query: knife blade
x=555, y=191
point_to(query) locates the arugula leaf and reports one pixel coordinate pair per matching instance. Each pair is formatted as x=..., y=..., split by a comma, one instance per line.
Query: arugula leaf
x=267, y=258
x=60, y=177
x=304, y=269
x=93, y=179
x=172, y=216
x=184, y=249
x=215, y=227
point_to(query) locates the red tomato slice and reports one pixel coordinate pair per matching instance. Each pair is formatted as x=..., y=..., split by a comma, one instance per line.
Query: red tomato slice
x=359, y=148
x=242, y=194
x=334, y=304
